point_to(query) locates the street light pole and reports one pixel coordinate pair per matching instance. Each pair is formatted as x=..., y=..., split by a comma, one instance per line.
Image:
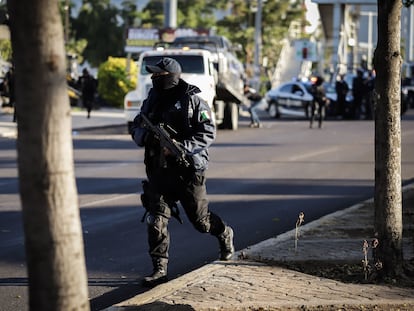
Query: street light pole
x=411, y=35
x=170, y=13
x=258, y=44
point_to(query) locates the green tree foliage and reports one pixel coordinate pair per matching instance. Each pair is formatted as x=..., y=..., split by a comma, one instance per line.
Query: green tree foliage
x=153, y=14
x=190, y=14
x=73, y=46
x=76, y=47
x=277, y=17
x=113, y=82
x=238, y=26
x=237, y=23
x=99, y=30
x=196, y=14
x=98, y=23
x=129, y=13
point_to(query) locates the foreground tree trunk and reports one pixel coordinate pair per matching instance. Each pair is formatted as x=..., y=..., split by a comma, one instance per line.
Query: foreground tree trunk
x=388, y=202
x=53, y=235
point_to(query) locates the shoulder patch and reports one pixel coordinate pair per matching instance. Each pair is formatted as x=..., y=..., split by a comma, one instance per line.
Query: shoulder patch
x=205, y=115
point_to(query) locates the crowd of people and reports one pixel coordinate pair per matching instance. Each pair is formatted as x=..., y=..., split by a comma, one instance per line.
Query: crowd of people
x=362, y=92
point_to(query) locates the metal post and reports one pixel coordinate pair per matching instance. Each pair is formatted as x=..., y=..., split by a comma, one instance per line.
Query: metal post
x=337, y=18
x=411, y=31
x=258, y=43
x=170, y=13
x=370, y=56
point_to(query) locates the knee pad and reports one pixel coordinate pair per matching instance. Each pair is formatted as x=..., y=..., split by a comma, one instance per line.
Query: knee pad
x=156, y=222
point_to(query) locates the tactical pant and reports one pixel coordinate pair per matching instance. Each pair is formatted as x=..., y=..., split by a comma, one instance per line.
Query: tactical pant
x=165, y=188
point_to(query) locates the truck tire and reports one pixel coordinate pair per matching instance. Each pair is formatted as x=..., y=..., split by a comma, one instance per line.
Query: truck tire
x=231, y=116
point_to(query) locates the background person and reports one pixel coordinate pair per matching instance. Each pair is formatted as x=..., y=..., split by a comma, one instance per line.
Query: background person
x=319, y=102
x=359, y=93
x=88, y=86
x=174, y=102
x=369, y=95
x=341, y=88
x=255, y=100
x=9, y=90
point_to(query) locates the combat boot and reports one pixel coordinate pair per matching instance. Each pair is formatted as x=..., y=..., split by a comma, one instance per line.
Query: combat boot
x=159, y=274
x=226, y=243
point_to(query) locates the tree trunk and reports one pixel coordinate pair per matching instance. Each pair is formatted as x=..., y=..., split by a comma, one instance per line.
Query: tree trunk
x=52, y=228
x=388, y=204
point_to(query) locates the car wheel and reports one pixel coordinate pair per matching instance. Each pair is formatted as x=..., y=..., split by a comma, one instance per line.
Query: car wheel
x=273, y=110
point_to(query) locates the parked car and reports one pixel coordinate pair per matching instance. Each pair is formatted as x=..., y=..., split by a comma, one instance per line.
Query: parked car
x=291, y=99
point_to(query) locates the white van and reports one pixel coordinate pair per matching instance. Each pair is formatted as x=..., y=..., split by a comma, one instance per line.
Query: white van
x=197, y=69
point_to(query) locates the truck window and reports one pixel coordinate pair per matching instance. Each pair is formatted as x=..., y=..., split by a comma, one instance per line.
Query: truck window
x=189, y=63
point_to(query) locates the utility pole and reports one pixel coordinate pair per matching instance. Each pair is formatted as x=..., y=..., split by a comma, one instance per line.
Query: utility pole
x=411, y=34
x=258, y=44
x=170, y=14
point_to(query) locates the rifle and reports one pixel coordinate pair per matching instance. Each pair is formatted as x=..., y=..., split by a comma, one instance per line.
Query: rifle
x=165, y=139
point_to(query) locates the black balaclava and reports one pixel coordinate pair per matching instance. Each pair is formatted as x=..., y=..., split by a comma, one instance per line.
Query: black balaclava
x=165, y=82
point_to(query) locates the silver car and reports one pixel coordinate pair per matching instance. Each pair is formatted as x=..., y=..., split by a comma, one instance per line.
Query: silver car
x=290, y=98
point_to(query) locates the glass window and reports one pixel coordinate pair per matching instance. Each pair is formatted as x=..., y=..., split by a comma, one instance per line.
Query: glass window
x=189, y=63
x=286, y=88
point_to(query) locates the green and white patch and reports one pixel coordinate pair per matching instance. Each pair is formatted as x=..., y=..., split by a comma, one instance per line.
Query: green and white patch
x=205, y=115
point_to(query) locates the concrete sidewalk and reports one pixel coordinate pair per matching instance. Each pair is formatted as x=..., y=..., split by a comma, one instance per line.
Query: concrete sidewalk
x=99, y=118
x=253, y=280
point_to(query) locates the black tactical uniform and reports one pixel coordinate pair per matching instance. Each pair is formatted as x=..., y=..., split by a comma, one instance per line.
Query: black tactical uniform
x=174, y=103
x=319, y=102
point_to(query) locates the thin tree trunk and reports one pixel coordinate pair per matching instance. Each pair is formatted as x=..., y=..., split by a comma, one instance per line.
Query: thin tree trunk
x=53, y=235
x=388, y=204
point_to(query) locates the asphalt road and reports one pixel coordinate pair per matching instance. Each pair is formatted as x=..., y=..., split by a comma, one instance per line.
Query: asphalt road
x=258, y=181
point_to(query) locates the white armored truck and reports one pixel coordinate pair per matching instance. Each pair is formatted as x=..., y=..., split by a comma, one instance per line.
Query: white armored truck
x=230, y=71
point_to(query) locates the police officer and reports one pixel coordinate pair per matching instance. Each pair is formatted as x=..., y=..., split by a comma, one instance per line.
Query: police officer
x=173, y=102
x=319, y=101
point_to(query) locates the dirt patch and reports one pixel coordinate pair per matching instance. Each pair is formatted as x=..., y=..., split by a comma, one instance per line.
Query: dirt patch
x=352, y=273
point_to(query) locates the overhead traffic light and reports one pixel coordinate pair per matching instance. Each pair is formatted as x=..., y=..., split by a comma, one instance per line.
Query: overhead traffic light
x=304, y=52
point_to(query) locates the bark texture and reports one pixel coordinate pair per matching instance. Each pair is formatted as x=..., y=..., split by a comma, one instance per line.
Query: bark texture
x=53, y=235
x=388, y=204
